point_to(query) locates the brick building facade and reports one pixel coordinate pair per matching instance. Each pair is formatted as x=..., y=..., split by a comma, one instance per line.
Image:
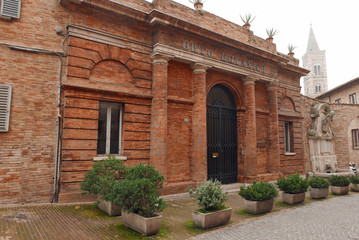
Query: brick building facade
x=186, y=91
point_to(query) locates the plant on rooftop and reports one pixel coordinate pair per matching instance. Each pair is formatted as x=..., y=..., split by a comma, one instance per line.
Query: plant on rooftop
x=271, y=33
x=198, y=4
x=247, y=20
x=291, y=49
x=210, y=198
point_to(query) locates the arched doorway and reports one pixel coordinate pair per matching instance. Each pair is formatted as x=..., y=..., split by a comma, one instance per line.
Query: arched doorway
x=221, y=135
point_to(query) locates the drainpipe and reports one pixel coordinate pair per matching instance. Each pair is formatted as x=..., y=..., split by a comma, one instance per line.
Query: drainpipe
x=60, y=55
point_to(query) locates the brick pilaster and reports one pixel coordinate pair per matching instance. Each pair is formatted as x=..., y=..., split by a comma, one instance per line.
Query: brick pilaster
x=250, y=152
x=274, y=153
x=158, y=145
x=199, y=127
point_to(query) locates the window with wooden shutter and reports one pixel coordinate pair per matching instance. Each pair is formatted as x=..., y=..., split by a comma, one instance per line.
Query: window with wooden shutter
x=10, y=8
x=5, y=102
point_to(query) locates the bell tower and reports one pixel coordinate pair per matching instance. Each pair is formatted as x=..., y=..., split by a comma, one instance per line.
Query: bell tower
x=315, y=83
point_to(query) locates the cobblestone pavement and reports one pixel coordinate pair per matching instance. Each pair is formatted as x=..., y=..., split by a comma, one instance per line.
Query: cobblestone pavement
x=336, y=218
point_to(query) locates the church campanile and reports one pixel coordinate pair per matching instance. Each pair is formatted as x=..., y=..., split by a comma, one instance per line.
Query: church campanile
x=315, y=83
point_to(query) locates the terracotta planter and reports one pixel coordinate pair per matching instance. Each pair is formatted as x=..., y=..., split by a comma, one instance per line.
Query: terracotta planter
x=247, y=26
x=291, y=54
x=109, y=208
x=339, y=190
x=354, y=187
x=145, y=226
x=293, y=198
x=270, y=40
x=198, y=6
x=213, y=219
x=258, y=207
x=317, y=193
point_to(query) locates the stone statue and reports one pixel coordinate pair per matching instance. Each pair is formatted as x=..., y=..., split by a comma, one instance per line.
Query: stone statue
x=322, y=118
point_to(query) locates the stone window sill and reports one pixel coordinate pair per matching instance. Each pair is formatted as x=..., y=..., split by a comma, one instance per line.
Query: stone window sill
x=5, y=18
x=289, y=154
x=100, y=158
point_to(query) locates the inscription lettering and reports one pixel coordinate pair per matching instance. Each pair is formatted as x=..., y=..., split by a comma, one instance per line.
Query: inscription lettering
x=244, y=63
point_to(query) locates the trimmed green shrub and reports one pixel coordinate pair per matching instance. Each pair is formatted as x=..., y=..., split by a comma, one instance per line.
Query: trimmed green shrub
x=354, y=179
x=102, y=176
x=318, y=182
x=293, y=184
x=139, y=191
x=339, y=181
x=209, y=195
x=259, y=191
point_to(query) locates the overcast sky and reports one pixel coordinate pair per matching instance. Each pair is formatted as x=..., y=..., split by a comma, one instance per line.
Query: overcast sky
x=335, y=25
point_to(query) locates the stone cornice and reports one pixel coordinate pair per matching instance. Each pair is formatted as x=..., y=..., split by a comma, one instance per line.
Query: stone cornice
x=107, y=38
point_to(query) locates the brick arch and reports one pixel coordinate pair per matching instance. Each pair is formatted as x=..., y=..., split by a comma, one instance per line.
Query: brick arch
x=232, y=88
x=287, y=103
x=111, y=72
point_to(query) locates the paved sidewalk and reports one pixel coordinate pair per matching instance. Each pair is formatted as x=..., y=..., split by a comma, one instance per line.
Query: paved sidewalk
x=336, y=218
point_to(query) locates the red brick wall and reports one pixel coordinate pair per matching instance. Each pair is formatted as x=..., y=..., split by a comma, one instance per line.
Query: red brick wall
x=27, y=151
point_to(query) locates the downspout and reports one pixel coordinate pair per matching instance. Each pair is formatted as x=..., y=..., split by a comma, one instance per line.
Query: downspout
x=60, y=55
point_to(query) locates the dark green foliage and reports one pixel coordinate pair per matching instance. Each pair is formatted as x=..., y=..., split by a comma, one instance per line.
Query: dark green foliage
x=318, y=182
x=102, y=176
x=209, y=195
x=339, y=181
x=259, y=191
x=354, y=179
x=139, y=191
x=293, y=184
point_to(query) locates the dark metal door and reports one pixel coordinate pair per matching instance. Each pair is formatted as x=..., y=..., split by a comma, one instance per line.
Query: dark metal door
x=221, y=135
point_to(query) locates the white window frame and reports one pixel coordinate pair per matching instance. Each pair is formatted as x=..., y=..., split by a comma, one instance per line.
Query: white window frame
x=355, y=138
x=317, y=89
x=353, y=98
x=108, y=130
x=288, y=138
x=5, y=105
x=339, y=100
x=316, y=69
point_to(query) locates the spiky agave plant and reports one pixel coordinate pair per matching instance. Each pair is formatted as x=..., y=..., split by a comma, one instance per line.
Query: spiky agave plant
x=291, y=48
x=247, y=18
x=271, y=32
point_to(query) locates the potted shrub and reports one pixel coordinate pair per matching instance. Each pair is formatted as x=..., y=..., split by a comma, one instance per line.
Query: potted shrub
x=340, y=184
x=138, y=195
x=259, y=197
x=271, y=33
x=319, y=187
x=354, y=181
x=198, y=4
x=247, y=20
x=100, y=179
x=210, y=198
x=294, y=188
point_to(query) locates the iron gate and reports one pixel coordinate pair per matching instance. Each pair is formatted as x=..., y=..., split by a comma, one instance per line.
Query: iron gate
x=221, y=135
